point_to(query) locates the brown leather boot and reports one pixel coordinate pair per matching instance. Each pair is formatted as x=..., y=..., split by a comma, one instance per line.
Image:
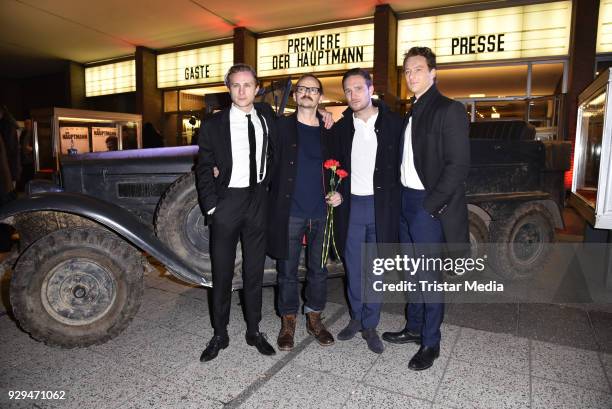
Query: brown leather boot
x=287, y=332
x=315, y=327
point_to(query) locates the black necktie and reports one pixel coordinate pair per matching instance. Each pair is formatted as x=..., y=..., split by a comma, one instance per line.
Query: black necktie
x=252, y=162
x=411, y=103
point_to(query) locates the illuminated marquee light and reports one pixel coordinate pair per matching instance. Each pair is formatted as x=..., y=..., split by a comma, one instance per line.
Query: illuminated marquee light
x=110, y=78
x=604, y=27
x=536, y=30
x=200, y=66
x=314, y=51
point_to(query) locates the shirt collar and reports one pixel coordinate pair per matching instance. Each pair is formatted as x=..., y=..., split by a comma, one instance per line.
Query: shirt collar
x=432, y=90
x=237, y=112
x=369, y=123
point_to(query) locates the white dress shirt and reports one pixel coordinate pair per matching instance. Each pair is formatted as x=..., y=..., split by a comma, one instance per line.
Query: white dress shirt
x=239, y=130
x=409, y=176
x=363, y=156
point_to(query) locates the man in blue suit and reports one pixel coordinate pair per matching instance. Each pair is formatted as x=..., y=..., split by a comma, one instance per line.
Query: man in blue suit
x=435, y=161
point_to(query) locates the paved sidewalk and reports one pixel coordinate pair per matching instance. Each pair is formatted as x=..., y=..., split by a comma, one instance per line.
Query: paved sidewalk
x=155, y=364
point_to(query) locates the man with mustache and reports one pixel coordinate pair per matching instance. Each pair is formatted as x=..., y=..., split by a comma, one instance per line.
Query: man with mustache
x=298, y=208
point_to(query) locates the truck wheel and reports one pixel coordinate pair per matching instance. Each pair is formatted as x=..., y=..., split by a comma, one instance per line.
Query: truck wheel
x=34, y=225
x=179, y=223
x=479, y=237
x=520, y=244
x=77, y=287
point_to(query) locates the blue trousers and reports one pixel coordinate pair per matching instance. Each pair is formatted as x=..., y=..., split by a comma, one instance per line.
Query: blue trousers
x=425, y=312
x=362, y=229
x=316, y=276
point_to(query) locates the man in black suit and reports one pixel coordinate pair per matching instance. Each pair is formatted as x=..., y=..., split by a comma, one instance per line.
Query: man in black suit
x=237, y=141
x=366, y=144
x=298, y=208
x=434, y=165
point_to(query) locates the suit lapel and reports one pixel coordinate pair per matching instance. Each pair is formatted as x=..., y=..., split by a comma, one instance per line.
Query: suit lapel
x=226, y=142
x=378, y=125
x=404, y=126
x=349, y=152
x=323, y=136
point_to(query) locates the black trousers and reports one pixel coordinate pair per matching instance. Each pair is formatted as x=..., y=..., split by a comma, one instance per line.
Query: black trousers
x=240, y=215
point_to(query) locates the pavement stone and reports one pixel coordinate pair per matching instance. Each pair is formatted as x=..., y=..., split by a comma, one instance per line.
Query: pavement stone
x=167, y=394
x=548, y=394
x=368, y=397
x=228, y=375
x=568, y=365
x=493, y=317
x=183, y=314
x=350, y=359
x=111, y=386
x=390, y=371
x=155, y=362
x=607, y=363
x=550, y=323
x=296, y=386
x=602, y=325
x=163, y=356
x=467, y=385
x=136, y=336
x=502, y=351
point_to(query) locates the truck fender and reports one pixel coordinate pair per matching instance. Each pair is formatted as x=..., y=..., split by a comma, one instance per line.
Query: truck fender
x=480, y=212
x=111, y=216
x=553, y=208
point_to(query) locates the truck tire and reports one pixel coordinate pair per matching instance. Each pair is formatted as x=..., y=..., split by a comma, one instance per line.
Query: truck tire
x=77, y=287
x=179, y=223
x=34, y=225
x=520, y=244
x=479, y=237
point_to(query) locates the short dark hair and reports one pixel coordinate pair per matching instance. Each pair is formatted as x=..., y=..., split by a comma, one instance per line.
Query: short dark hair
x=360, y=72
x=426, y=52
x=310, y=75
x=240, y=68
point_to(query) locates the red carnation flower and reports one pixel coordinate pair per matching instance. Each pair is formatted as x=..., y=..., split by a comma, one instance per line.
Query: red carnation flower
x=341, y=173
x=331, y=164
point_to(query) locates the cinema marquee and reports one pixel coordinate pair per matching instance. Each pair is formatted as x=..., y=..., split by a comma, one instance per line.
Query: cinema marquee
x=538, y=30
x=192, y=67
x=316, y=51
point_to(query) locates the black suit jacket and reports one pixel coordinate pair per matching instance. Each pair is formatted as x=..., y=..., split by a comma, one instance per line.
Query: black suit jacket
x=440, y=142
x=386, y=180
x=216, y=150
x=282, y=182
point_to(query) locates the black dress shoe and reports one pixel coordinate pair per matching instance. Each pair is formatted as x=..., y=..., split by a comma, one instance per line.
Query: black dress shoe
x=259, y=341
x=402, y=337
x=424, y=358
x=216, y=343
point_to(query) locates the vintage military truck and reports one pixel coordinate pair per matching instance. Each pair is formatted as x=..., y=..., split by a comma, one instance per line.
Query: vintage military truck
x=78, y=273
x=515, y=193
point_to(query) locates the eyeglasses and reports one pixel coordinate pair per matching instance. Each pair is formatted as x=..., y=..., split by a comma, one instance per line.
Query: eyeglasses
x=311, y=90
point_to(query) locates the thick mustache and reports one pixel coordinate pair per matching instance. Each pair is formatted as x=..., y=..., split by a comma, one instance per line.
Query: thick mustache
x=305, y=97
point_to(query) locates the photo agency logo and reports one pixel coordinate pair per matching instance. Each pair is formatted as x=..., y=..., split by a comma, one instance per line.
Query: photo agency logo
x=411, y=265
x=426, y=274
x=501, y=272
